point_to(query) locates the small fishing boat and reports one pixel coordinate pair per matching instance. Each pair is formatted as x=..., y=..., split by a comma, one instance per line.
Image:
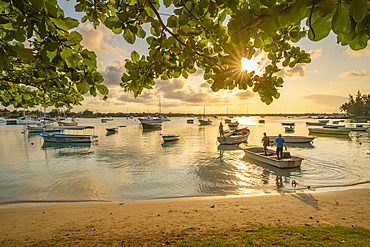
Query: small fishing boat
x=234, y=137
x=151, y=123
x=2, y=120
x=234, y=125
x=288, y=124
x=261, y=121
x=26, y=120
x=112, y=129
x=294, y=139
x=227, y=120
x=258, y=153
x=190, y=121
x=359, y=127
x=67, y=123
x=75, y=138
x=170, y=137
x=205, y=122
x=339, y=131
x=315, y=123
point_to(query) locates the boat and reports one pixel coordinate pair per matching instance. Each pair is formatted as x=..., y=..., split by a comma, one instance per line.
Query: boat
x=261, y=121
x=334, y=126
x=2, y=120
x=150, y=122
x=152, y=125
x=112, y=129
x=289, y=129
x=227, y=120
x=67, y=138
x=339, y=131
x=170, y=137
x=258, y=153
x=234, y=137
x=43, y=128
x=203, y=121
x=234, y=125
x=67, y=123
x=11, y=121
x=359, y=127
x=288, y=124
x=315, y=123
x=26, y=120
x=190, y=121
x=294, y=139
x=164, y=118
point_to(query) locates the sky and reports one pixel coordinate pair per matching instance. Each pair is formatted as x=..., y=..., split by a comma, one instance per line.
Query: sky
x=319, y=87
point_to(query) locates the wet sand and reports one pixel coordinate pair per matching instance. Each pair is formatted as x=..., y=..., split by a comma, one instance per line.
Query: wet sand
x=143, y=223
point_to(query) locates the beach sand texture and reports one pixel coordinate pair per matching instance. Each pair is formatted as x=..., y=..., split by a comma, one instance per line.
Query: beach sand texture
x=143, y=223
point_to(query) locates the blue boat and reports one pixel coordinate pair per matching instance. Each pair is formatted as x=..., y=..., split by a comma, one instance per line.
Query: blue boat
x=70, y=138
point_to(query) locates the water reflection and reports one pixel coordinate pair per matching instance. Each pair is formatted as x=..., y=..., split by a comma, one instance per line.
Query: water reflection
x=300, y=145
x=169, y=143
x=331, y=136
x=68, y=149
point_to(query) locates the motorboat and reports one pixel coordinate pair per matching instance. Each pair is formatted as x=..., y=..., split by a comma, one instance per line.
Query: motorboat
x=164, y=118
x=2, y=120
x=288, y=124
x=151, y=123
x=233, y=125
x=258, y=153
x=66, y=138
x=67, y=123
x=190, y=121
x=170, y=137
x=294, y=139
x=26, y=120
x=334, y=131
x=359, y=127
x=315, y=123
x=234, y=137
x=227, y=120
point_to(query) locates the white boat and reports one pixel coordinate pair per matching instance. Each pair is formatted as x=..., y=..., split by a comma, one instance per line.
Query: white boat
x=164, y=118
x=152, y=125
x=205, y=122
x=150, y=120
x=258, y=153
x=234, y=125
x=332, y=131
x=26, y=120
x=104, y=120
x=358, y=127
x=234, y=137
x=66, y=138
x=294, y=139
x=43, y=128
x=170, y=137
x=67, y=123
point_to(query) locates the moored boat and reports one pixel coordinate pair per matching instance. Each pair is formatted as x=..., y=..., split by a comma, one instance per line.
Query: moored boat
x=112, y=129
x=258, y=153
x=170, y=137
x=190, y=121
x=339, y=131
x=233, y=125
x=294, y=139
x=67, y=123
x=315, y=123
x=288, y=124
x=205, y=122
x=227, y=120
x=75, y=138
x=234, y=137
x=43, y=128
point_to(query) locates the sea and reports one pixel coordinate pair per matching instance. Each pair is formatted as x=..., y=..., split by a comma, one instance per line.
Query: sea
x=136, y=164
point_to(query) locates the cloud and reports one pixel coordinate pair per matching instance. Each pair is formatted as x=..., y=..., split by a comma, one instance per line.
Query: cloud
x=362, y=73
x=245, y=95
x=96, y=39
x=351, y=53
x=315, y=53
x=326, y=100
x=112, y=73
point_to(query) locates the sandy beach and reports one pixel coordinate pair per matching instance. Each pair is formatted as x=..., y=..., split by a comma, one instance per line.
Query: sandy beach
x=144, y=223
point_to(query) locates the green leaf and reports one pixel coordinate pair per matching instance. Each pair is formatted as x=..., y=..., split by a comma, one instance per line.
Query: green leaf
x=173, y=22
x=74, y=39
x=167, y=3
x=359, y=42
x=135, y=57
x=321, y=26
x=129, y=36
x=83, y=87
x=358, y=9
x=341, y=22
x=23, y=53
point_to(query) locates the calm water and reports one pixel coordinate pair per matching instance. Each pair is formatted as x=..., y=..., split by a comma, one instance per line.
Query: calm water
x=135, y=165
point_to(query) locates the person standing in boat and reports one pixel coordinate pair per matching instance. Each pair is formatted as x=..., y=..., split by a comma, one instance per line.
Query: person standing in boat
x=265, y=142
x=280, y=144
x=221, y=129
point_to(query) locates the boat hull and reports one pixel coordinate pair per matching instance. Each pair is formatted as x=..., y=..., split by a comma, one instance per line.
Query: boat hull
x=204, y=122
x=61, y=123
x=230, y=140
x=258, y=153
x=294, y=139
x=45, y=128
x=343, y=131
x=65, y=138
x=170, y=137
x=152, y=125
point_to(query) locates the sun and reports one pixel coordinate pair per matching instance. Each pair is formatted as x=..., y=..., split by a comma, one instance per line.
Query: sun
x=249, y=65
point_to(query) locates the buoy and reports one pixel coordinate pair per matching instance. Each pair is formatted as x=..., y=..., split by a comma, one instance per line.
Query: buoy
x=360, y=143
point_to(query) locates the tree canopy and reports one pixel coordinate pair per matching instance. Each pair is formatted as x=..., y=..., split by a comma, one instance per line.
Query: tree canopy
x=358, y=105
x=43, y=62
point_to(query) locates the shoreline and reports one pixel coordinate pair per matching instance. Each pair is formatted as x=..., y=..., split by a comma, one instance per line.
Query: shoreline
x=139, y=223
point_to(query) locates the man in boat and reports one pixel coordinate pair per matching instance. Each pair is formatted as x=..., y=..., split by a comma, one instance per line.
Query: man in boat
x=280, y=144
x=221, y=129
x=265, y=142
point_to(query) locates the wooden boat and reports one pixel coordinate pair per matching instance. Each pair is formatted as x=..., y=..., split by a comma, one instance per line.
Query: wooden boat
x=294, y=139
x=234, y=137
x=75, y=138
x=190, y=121
x=205, y=122
x=112, y=129
x=258, y=153
x=170, y=137
x=288, y=124
x=339, y=131
x=233, y=125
